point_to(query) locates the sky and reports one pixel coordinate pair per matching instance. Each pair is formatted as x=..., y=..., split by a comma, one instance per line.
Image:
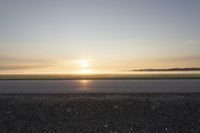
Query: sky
x=82, y=36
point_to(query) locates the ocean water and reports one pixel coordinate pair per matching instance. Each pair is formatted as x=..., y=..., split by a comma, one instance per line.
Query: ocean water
x=99, y=86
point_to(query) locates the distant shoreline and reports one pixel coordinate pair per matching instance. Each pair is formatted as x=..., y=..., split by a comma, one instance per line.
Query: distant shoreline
x=168, y=70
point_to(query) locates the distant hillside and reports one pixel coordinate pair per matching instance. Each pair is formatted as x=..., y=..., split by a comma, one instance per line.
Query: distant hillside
x=168, y=69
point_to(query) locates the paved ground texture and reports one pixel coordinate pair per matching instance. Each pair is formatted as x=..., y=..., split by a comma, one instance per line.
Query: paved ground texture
x=100, y=113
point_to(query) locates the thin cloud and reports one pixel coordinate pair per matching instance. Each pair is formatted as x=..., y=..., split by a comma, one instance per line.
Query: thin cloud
x=13, y=63
x=21, y=67
x=7, y=59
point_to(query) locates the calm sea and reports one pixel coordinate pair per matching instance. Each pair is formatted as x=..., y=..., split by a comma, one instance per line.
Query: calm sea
x=100, y=86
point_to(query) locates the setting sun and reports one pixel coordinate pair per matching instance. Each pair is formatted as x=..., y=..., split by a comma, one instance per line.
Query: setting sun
x=84, y=63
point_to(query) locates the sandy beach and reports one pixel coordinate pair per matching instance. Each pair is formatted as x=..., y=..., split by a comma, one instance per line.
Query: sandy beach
x=100, y=113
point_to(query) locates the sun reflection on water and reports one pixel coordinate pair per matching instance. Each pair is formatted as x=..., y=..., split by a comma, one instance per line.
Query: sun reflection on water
x=84, y=84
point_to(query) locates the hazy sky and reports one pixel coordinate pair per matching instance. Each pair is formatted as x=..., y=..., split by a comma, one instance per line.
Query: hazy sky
x=41, y=36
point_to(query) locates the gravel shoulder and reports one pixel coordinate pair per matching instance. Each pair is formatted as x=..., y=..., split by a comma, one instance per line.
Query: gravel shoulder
x=100, y=113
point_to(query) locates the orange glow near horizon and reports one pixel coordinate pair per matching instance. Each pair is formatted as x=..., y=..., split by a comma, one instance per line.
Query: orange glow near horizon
x=89, y=66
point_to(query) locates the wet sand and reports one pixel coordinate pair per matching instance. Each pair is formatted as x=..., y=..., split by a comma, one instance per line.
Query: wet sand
x=100, y=113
